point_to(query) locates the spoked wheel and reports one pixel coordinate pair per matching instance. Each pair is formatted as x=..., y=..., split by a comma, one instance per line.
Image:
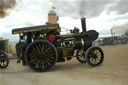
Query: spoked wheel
x=4, y=61
x=81, y=56
x=94, y=56
x=41, y=55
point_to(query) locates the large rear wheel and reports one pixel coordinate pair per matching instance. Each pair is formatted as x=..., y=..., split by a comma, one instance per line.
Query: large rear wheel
x=41, y=55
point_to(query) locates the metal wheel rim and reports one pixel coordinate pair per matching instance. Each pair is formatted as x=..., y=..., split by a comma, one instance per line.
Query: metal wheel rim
x=3, y=60
x=95, y=57
x=80, y=56
x=41, y=57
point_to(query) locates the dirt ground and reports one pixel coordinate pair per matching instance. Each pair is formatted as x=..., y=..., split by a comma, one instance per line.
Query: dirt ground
x=113, y=71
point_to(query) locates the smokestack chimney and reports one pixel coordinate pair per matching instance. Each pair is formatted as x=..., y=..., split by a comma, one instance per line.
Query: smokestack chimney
x=83, y=22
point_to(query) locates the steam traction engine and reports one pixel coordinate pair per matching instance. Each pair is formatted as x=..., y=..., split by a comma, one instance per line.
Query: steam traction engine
x=40, y=47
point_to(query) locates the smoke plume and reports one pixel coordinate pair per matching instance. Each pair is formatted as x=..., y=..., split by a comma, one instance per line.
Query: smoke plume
x=5, y=5
x=121, y=29
x=82, y=7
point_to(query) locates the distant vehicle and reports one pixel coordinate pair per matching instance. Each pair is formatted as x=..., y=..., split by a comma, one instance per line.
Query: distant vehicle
x=113, y=40
x=4, y=61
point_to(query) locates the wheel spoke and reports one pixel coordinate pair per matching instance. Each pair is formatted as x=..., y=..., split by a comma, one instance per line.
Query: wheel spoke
x=49, y=55
x=1, y=54
x=49, y=59
x=42, y=48
x=32, y=55
x=42, y=64
x=38, y=50
x=48, y=62
x=91, y=60
x=4, y=63
x=46, y=51
x=33, y=60
x=34, y=52
x=98, y=53
x=99, y=56
x=45, y=46
x=50, y=51
x=96, y=61
x=38, y=64
x=1, y=63
x=45, y=64
x=34, y=49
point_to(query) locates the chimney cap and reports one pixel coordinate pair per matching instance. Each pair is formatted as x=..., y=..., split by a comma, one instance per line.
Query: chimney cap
x=83, y=17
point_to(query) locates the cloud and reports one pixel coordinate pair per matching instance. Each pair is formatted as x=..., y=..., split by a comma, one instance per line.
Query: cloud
x=119, y=7
x=95, y=8
x=100, y=14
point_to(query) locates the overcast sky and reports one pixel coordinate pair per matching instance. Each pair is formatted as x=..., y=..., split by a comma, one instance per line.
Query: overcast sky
x=102, y=15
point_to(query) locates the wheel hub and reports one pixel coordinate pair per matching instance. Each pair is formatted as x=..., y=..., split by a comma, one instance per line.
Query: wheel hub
x=95, y=56
x=41, y=56
x=83, y=54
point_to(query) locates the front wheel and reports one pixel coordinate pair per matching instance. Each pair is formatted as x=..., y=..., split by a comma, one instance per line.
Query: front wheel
x=94, y=56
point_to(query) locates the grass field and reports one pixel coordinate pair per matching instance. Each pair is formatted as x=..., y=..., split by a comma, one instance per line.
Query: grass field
x=113, y=71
